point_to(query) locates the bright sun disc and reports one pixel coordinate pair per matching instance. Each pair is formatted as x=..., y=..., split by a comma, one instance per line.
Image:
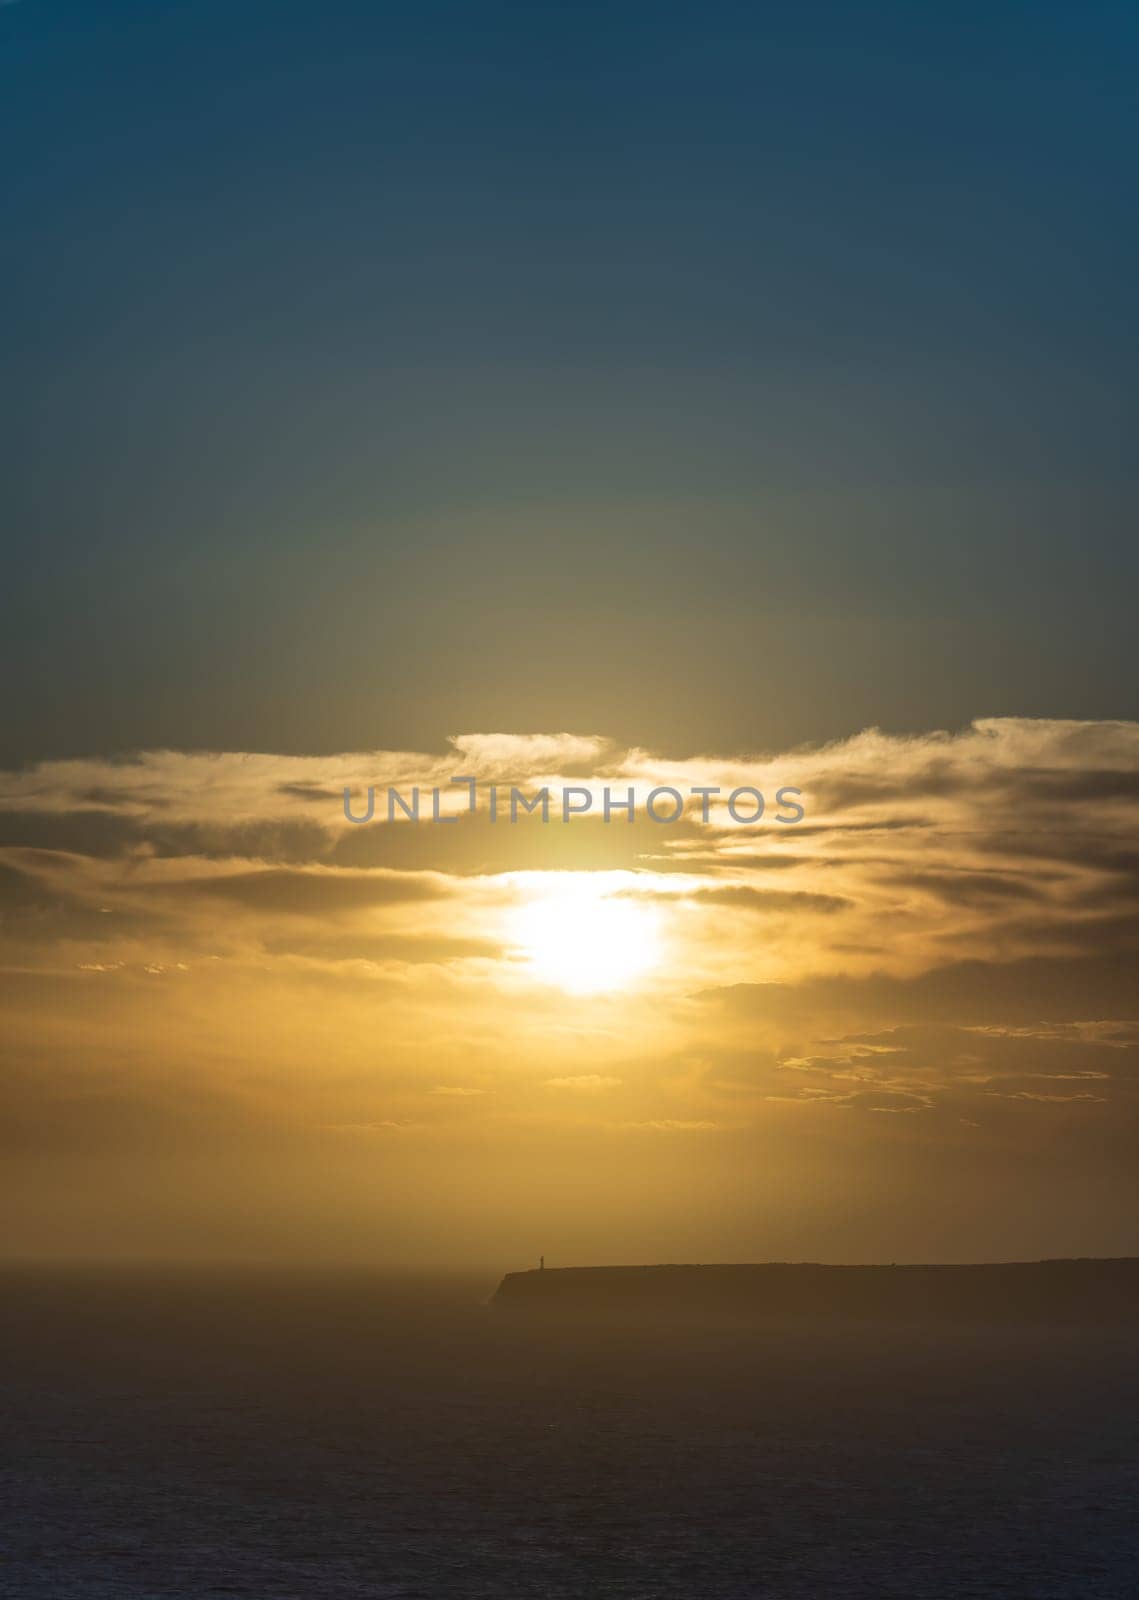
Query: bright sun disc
x=586, y=942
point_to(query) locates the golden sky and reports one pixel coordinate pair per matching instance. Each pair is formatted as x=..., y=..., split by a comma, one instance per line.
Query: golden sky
x=655, y=387
x=902, y=1028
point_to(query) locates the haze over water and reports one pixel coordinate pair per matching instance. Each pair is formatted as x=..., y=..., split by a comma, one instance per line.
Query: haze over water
x=332, y=1436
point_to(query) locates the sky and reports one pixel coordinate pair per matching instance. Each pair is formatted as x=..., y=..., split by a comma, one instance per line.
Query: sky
x=722, y=394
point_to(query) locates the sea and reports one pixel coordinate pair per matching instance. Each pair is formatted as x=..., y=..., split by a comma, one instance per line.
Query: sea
x=174, y=1434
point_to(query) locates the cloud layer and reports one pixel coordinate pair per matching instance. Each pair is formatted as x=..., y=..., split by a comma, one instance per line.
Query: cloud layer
x=198, y=951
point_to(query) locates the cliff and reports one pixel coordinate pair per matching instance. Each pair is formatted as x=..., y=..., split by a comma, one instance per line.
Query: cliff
x=1072, y=1291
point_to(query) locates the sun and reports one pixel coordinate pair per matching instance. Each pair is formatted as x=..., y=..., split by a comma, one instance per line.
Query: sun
x=584, y=938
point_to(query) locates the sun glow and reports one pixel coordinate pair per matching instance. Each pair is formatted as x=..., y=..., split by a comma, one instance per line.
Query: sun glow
x=580, y=936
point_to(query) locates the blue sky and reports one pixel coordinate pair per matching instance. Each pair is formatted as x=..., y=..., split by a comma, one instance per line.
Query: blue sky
x=699, y=375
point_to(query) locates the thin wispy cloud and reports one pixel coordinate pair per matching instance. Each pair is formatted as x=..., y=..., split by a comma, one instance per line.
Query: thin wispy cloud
x=941, y=956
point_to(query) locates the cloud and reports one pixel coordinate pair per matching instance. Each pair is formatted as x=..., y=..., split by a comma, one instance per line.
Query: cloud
x=312, y=891
x=672, y=1125
x=949, y=942
x=742, y=897
x=511, y=757
x=988, y=876
x=383, y=1126
x=1049, y=1099
x=584, y=1083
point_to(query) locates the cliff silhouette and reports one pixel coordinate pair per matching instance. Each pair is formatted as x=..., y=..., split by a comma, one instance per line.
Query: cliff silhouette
x=1079, y=1290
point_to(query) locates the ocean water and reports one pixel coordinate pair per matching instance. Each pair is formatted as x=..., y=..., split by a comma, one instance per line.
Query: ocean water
x=172, y=1436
